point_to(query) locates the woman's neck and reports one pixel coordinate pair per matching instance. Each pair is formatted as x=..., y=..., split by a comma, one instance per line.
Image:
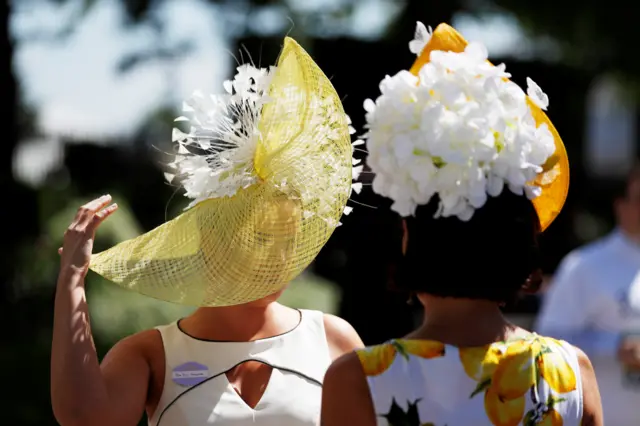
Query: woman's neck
x=241, y=323
x=463, y=322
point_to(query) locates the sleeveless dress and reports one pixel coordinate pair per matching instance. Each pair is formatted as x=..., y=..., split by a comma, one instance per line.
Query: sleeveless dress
x=530, y=381
x=197, y=392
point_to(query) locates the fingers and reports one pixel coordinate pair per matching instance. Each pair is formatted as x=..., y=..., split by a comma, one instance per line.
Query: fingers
x=86, y=212
x=97, y=204
x=86, y=228
x=91, y=215
x=100, y=217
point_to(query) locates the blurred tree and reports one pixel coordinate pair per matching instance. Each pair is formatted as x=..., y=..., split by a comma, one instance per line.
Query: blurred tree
x=597, y=36
x=245, y=19
x=19, y=208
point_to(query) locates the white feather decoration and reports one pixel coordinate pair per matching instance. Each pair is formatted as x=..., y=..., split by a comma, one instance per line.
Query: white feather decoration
x=216, y=155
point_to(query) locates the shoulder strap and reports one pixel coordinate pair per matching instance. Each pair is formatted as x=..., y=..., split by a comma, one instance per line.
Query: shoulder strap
x=313, y=320
x=304, y=350
x=171, y=337
x=573, y=400
x=171, y=343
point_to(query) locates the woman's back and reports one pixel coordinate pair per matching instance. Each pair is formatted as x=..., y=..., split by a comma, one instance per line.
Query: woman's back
x=528, y=381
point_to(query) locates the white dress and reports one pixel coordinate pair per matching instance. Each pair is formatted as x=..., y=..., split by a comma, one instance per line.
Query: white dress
x=197, y=392
x=532, y=381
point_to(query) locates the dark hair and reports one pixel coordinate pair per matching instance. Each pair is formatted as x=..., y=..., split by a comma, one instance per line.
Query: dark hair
x=493, y=256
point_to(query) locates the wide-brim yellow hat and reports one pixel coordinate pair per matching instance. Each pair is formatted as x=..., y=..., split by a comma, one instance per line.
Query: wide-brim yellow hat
x=554, y=179
x=235, y=249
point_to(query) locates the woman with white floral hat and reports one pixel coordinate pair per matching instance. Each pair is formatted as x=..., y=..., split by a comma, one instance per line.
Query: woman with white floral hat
x=268, y=167
x=476, y=172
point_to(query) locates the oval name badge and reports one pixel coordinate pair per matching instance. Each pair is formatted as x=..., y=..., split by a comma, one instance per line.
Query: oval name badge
x=190, y=374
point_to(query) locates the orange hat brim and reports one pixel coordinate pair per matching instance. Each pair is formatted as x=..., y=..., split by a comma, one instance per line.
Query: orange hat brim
x=554, y=179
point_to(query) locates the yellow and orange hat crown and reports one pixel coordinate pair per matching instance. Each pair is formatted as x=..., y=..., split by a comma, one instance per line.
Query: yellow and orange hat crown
x=554, y=179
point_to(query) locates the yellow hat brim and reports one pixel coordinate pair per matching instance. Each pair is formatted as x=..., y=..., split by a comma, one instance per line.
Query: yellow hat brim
x=554, y=179
x=234, y=250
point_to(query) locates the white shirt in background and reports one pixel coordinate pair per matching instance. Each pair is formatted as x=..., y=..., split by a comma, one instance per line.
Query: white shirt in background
x=593, y=299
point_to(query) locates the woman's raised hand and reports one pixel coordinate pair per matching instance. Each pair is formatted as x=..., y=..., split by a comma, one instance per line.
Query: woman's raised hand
x=78, y=238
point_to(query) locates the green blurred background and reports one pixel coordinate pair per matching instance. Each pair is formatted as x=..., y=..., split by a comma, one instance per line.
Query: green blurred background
x=91, y=87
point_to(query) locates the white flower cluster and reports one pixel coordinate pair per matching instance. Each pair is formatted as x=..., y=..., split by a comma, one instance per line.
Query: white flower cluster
x=459, y=130
x=215, y=159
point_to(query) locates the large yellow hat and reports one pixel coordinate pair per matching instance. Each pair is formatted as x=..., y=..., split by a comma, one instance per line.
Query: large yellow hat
x=269, y=167
x=554, y=179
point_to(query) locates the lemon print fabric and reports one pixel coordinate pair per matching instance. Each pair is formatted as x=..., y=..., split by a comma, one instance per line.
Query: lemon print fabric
x=508, y=374
x=378, y=359
x=529, y=381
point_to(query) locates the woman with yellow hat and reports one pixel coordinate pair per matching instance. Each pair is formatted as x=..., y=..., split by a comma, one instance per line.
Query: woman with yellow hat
x=476, y=172
x=268, y=167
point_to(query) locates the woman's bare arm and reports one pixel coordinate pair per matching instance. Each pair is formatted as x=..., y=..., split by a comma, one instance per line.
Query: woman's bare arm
x=83, y=393
x=346, y=400
x=591, y=405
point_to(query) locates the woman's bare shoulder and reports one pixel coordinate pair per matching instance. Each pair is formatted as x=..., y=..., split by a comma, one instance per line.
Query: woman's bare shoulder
x=341, y=336
x=146, y=342
x=592, y=405
x=345, y=394
x=142, y=355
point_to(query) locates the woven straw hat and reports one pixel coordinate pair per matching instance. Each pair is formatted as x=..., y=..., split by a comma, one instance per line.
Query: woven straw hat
x=240, y=245
x=554, y=179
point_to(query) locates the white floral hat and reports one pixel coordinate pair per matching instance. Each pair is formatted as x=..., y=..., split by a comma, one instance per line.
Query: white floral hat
x=455, y=126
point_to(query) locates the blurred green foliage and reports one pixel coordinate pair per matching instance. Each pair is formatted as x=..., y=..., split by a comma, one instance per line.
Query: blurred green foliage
x=117, y=312
x=593, y=35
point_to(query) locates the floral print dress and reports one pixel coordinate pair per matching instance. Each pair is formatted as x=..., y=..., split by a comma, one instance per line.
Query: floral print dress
x=529, y=381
